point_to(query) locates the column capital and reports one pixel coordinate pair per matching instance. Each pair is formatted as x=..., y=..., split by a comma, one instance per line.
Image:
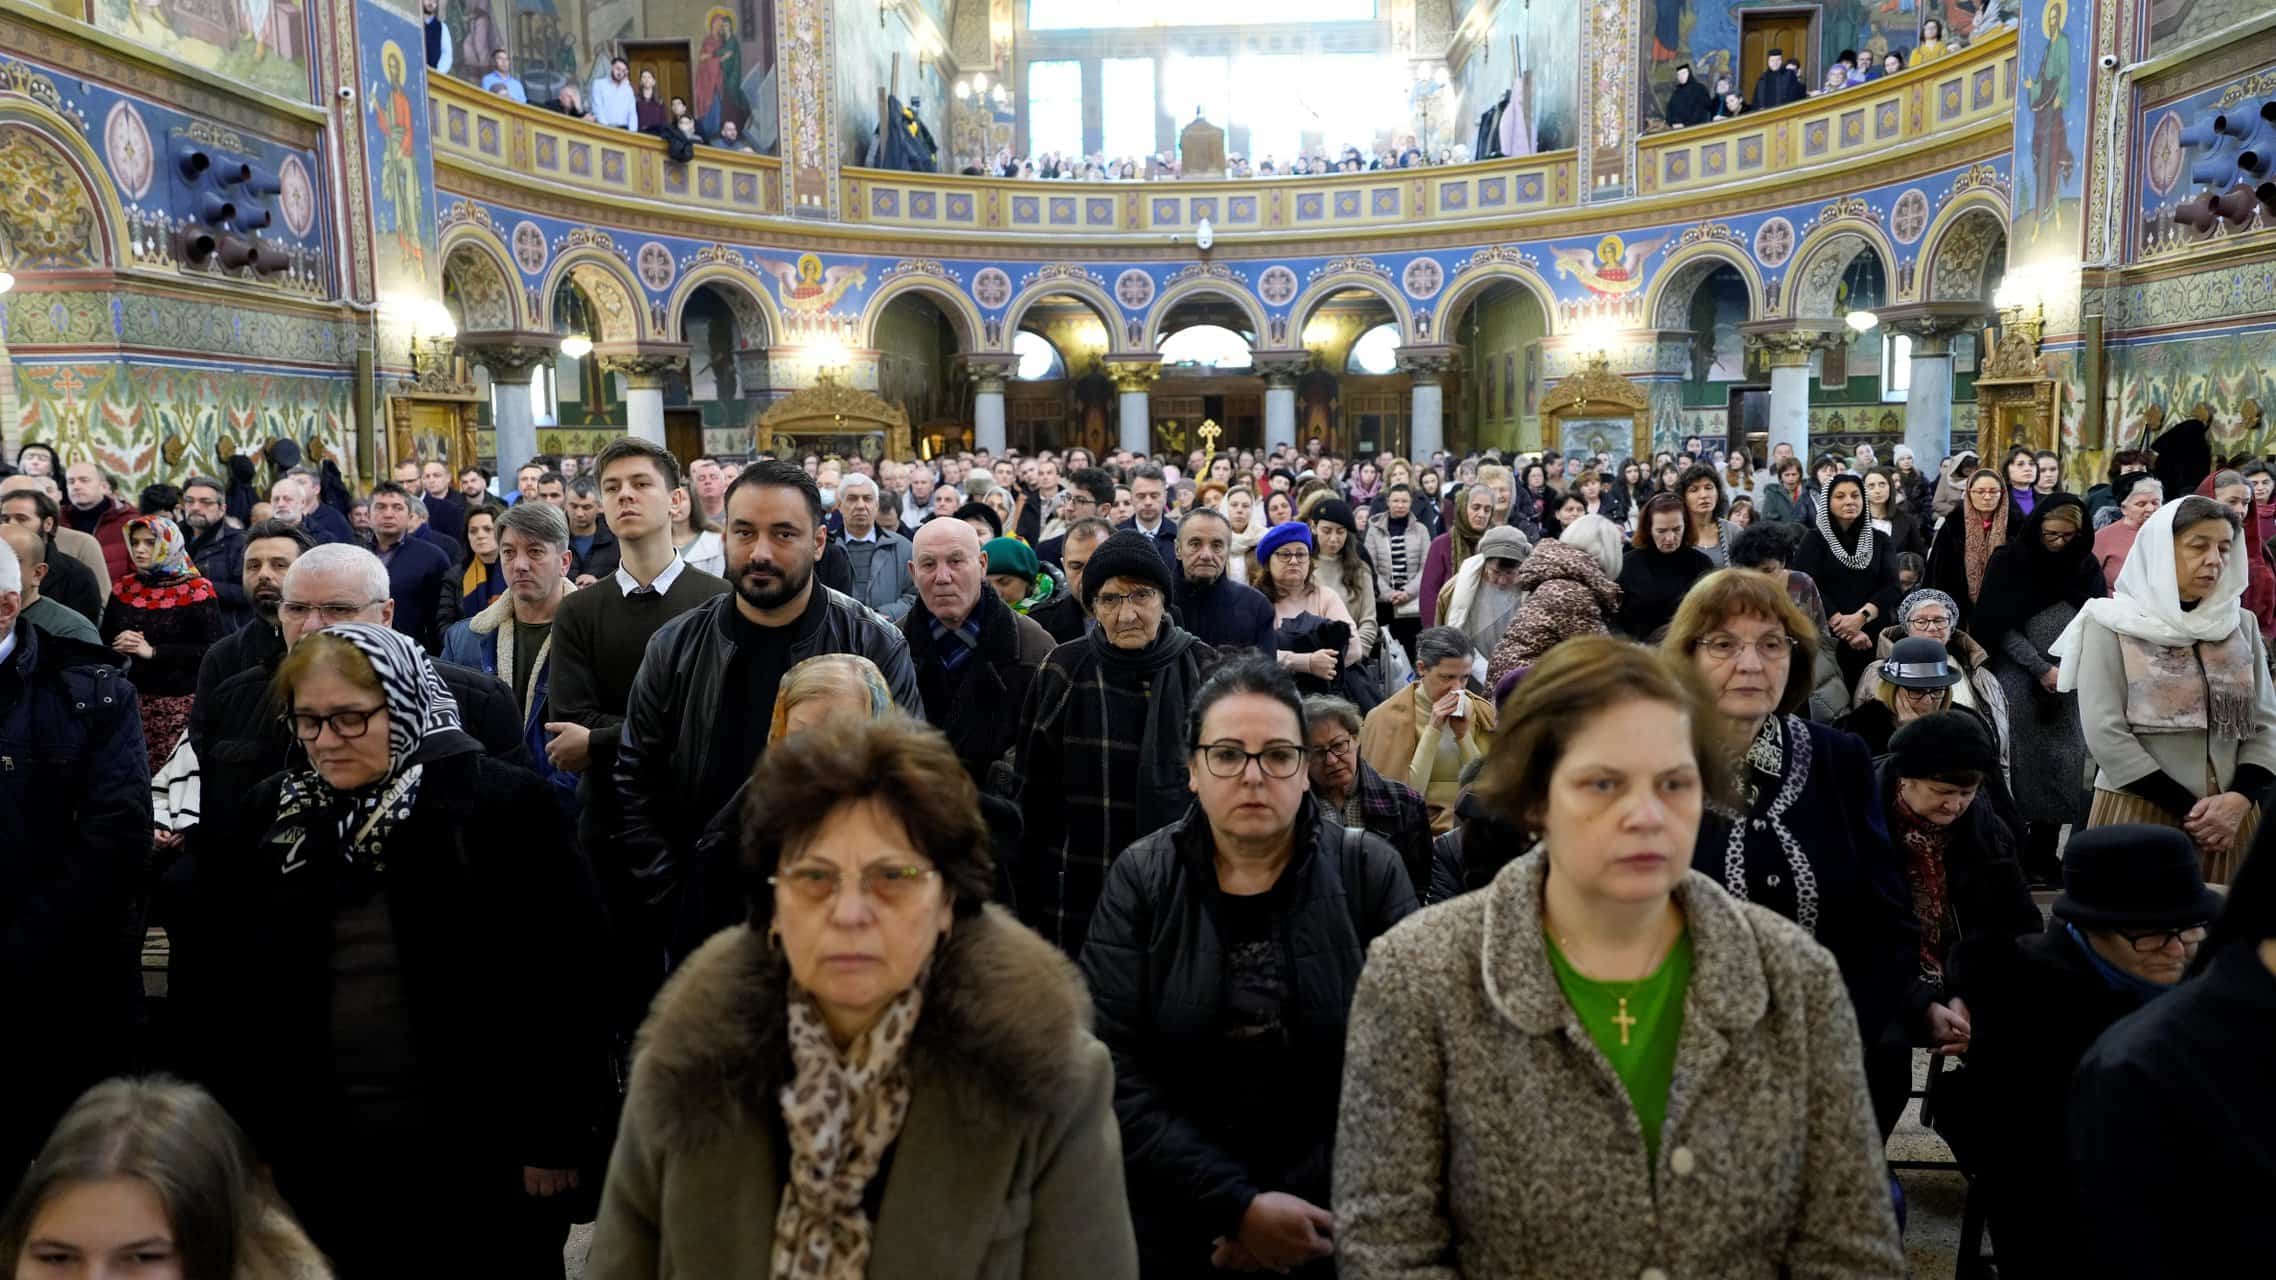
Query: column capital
x=1933, y=325
x=1789, y=344
x=1281, y=369
x=1133, y=375
x=1429, y=363
x=511, y=358
x=990, y=370
x=642, y=365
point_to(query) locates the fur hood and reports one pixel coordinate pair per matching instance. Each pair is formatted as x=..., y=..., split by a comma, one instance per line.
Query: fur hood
x=1004, y=1017
x=1554, y=560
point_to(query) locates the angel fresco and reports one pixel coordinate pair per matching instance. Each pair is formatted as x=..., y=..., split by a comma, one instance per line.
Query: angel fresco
x=1613, y=269
x=808, y=286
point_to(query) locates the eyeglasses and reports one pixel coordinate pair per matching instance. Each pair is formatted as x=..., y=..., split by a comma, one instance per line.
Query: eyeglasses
x=1724, y=647
x=1339, y=748
x=1229, y=760
x=888, y=884
x=2152, y=941
x=333, y=611
x=346, y=725
x=1292, y=555
x=1920, y=623
x=1114, y=601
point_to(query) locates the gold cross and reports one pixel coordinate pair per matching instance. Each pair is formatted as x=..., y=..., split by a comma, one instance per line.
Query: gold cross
x=1623, y=1021
x=1208, y=431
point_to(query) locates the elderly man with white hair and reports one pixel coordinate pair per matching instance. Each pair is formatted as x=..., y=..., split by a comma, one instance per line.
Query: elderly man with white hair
x=877, y=557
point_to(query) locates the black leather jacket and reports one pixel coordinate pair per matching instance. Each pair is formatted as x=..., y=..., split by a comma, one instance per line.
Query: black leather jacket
x=669, y=719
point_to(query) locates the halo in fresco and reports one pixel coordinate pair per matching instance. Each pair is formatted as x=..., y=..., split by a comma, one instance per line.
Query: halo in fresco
x=1774, y=243
x=656, y=267
x=1423, y=279
x=1277, y=286
x=1908, y=218
x=296, y=196
x=530, y=253
x=991, y=288
x=1133, y=289
x=126, y=146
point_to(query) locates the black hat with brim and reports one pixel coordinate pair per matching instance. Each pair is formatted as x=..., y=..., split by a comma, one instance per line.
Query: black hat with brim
x=2134, y=876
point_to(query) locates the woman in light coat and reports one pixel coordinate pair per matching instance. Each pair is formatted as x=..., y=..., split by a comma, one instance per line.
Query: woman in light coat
x=1601, y=1064
x=1398, y=558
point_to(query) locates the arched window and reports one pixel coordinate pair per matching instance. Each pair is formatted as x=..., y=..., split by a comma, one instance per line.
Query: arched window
x=1038, y=359
x=1207, y=346
x=1376, y=352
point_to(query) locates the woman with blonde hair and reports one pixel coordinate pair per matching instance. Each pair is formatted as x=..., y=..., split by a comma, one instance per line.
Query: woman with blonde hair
x=1241, y=517
x=153, y=1167
x=825, y=687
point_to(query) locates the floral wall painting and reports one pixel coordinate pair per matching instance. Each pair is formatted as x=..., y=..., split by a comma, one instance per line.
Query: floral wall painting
x=259, y=43
x=2050, y=134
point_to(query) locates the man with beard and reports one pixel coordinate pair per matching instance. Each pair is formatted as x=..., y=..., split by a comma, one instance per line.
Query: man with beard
x=77, y=578
x=1223, y=613
x=218, y=550
x=701, y=706
x=474, y=486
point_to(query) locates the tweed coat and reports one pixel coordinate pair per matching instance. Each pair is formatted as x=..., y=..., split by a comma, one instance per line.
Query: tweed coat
x=1484, y=1135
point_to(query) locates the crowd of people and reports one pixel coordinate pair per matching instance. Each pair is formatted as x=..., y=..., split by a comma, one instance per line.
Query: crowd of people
x=1112, y=865
x=1051, y=166
x=1784, y=81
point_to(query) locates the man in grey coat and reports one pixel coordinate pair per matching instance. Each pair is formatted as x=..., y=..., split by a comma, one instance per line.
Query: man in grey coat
x=878, y=558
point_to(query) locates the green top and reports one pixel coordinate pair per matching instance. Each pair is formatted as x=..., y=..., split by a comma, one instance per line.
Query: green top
x=1652, y=1020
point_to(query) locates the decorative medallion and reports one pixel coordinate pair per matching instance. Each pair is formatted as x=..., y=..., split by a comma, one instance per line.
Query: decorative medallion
x=656, y=267
x=1277, y=286
x=1134, y=289
x=1423, y=279
x=1909, y=217
x=126, y=145
x=991, y=288
x=1774, y=243
x=296, y=196
x=530, y=252
x=2166, y=155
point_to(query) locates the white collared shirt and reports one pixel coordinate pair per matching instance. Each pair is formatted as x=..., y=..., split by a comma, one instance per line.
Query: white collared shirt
x=628, y=584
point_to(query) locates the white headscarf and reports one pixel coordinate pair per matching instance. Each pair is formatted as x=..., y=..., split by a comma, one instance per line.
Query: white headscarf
x=1600, y=538
x=2146, y=602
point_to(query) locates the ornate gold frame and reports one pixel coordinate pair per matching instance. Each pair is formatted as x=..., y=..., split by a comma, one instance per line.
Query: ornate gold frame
x=831, y=409
x=436, y=401
x=1597, y=392
x=2015, y=399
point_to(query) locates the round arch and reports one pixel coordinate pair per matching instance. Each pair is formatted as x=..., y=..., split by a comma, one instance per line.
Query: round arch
x=1820, y=260
x=1467, y=287
x=1300, y=311
x=618, y=303
x=1667, y=299
x=61, y=138
x=1102, y=305
x=963, y=317
x=1176, y=293
x=1956, y=255
x=753, y=309
x=476, y=269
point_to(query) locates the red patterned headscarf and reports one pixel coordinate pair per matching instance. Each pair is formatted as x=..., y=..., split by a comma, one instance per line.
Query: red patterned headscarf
x=172, y=580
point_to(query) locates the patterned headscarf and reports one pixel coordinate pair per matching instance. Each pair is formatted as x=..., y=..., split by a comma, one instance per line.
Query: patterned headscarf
x=172, y=580
x=419, y=706
x=1926, y=595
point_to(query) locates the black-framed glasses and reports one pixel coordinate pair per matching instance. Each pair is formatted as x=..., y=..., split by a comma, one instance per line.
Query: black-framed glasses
x=346, y=725
x=1231, y=760
x=2148, y=942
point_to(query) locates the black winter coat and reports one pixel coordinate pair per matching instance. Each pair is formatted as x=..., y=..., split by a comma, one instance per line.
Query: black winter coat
x=74, y=841
x=979, y=711
x=497, y=924
x=1987, y=901
x=2035, y=1005
x=1157, y=972
x=178, y=638
x=72, y=585
x=1467, y=858
x=220, y=556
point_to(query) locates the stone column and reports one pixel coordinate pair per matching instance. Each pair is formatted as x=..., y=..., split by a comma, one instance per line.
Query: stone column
x=1928, y=403
x=643, y=372
x=511, y=365
x=1134, y=416
x=989, y=374
x=1281, y=369
x=1427, y=368
x=1786, y=346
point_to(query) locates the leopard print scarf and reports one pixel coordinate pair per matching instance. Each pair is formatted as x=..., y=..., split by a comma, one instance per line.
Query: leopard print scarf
x=842, y=1112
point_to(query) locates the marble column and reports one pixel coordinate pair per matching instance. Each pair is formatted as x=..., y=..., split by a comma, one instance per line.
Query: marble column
x=1786, y=346
x=1281, y=369
x=1928, y=402
x=989, y=373
x=511, y=366
x=1134, y=416
x=644, y=373
x=1426, y=368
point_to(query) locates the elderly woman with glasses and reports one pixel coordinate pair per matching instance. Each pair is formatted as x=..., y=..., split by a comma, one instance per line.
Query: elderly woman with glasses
x=1806, y=838
x=876, y=1061
x=1345, y=784
x=1222, y=961
x=1927, y=613
x=408, y=949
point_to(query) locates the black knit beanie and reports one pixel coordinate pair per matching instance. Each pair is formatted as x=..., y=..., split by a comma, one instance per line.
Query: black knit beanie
x=1942, y=743
x=1128, y=554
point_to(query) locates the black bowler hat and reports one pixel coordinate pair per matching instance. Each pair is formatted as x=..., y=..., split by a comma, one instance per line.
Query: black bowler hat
x=2134, y=876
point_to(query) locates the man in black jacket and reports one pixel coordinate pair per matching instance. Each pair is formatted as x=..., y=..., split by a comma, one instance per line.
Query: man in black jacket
x=974, y=656
x=74, y=836
x=1149, y=510
x=1090, y=494
x=1223, y=611
x=218, y=549
x=68, y=582
x=697, y=717
x=418, y=573
x=592, y=548
x=446, y=507
x=1779, y=84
